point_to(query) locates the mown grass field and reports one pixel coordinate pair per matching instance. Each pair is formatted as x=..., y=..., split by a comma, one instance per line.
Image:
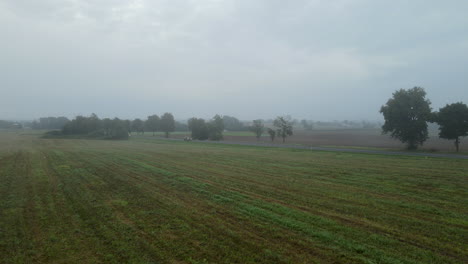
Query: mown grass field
x=346, y=138
x=153, y=201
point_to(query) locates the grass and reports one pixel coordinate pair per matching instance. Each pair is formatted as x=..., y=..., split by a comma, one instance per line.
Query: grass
x=155, y=201
x=187, y=133
x=397, y=149
x=242, y=133
x=346, y=138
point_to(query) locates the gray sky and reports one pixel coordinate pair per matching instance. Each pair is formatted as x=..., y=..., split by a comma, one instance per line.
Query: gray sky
x=317, y=59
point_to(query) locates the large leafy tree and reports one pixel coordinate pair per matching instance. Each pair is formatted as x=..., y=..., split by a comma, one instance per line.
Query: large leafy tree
x=93, y=127
x=118, y=129
x=127, y=125
x=152, y=123
x=406, y=115
x=272, y=134
x=82, y=125
x=258, y=128
x=167, y=123
x=138, y=126
x=202, y=130
x=453, y=122
x=198, y=128
x=107, y=125
x=284, y=127
x=216, y=128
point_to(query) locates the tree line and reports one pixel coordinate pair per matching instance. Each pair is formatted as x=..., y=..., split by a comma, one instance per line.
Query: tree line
x=282, y=127
x=408, y=113
x=116, y=128
x=201, y=129
x=10, y=125
x=50, y=123
x=406, y=116
x=94, y=127
x=213, y=129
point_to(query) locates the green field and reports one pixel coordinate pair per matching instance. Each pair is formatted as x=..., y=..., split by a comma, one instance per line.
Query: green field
x=187, y=133
x=148, y=200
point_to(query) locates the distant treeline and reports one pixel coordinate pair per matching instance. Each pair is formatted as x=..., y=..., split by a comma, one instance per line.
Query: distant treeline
x=116, y=128
x=200, y=129
x=230, y=124
x=341, y=124
x=94, y=127
x=233, y=124
x=50, y=123
x=10, y=125
x=106, y=128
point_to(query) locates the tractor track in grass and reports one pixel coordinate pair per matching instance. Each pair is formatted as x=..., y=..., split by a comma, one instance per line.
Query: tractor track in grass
x=152, y=184
x=181, y=202
x=348, y=221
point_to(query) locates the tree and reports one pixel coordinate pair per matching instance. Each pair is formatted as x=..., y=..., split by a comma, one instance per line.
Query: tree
x=453, y=122
x=272, y=134
x=198, y=128
x=128, y=126
x=138, y=126
x=107, y=125
x=232, y=124
x=152, y=123
x=82, y=125
x=93, y=127
x=258, y=128
x=118, y=129
x=167, y=123
x=284, y=127
x=93, y=123
x=215, y=128
x=406, y=115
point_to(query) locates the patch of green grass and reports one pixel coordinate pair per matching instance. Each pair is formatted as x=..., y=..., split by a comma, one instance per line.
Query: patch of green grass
x=154, y=201
x=424, y=150
x=241, y=133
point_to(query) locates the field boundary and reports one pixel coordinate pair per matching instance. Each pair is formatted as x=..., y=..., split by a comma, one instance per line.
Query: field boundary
x=332, y=149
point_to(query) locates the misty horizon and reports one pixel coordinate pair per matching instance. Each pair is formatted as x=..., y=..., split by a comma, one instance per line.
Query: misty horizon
x=184, y=120
x=313, y=60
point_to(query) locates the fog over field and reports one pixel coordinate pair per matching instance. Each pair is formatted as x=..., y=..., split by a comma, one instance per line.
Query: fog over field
x=319, y=60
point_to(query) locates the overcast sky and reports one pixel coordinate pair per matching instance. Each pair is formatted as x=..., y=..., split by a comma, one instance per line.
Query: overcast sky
x=316, y=59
